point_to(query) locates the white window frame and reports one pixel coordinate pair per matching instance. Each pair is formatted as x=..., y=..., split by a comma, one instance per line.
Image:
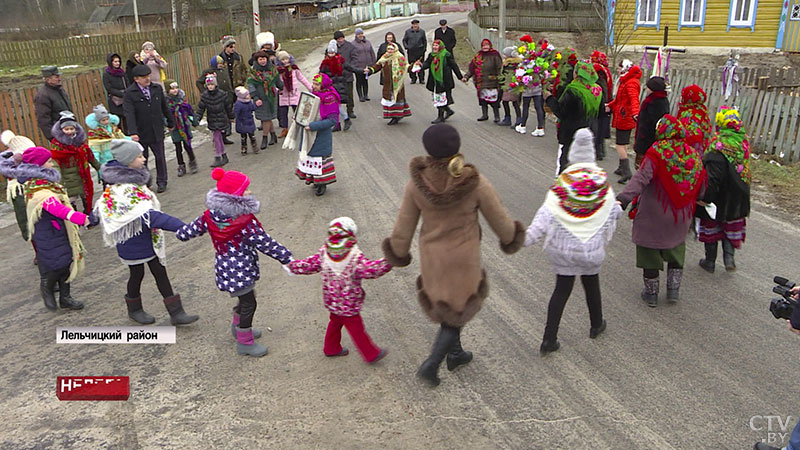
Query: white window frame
x=751, y=17
x=792, y=16
x=655, y=22
x=700, y=20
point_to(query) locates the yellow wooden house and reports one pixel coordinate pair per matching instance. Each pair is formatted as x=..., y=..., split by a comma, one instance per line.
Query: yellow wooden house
x=710, y=25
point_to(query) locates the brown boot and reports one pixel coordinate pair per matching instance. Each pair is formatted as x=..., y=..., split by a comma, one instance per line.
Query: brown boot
x=283, y=133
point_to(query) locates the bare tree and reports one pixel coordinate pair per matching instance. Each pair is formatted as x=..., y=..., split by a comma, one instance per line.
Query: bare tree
x=617, y=31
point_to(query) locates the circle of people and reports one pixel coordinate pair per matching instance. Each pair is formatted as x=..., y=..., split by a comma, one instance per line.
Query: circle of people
x=689, y=172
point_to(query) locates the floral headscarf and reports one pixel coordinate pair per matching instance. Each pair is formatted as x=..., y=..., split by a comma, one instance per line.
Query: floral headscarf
x=732, y=142
x=399, y=65
x=600, y=63
x=341, y=238
x=584, y=86
x=677, y=166
x=438, y=61
x=476, y=65
x=693, y=114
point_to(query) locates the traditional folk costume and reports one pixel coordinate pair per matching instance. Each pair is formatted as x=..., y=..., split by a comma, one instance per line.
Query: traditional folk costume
x=485, y=69
x=693, y=114
x=442, y=67
x=343, y=267
x=264, y=83
x=100, y=135
x=727, y=162
x=315, y=163
x=15, y=194
x=602, y=128
x=393, y=68
x=668, y=184
x=74, y=159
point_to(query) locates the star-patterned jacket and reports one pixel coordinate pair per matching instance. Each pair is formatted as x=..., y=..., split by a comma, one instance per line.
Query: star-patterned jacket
x=342, y=292
x=237, y=236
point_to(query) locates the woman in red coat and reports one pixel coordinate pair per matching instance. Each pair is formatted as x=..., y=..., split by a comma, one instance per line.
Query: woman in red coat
x=625, y=108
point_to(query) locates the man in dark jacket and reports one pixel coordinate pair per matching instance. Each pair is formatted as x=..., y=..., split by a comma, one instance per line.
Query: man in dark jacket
x=346, y=49
x=653, y=108
x=146, y=109
x=50, y=101
x=415, y=43
x=446, y=34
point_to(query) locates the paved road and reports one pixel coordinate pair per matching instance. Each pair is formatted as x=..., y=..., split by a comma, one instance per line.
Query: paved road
x=676, y=377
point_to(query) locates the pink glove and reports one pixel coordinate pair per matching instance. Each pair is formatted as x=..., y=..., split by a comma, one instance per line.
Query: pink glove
x=58, y=209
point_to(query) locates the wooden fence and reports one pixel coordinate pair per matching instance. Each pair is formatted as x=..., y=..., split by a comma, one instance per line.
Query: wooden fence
x=86, y=89
x=771, y=116
x=541, y=20
x=84, y=50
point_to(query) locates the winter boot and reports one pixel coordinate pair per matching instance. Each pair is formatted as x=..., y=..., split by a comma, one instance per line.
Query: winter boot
x=485, y=113
x=217, y=162
x=225, y=140
x=263, y=142
x=64, y=299
x=49, y=297
x=549, y=346
x=136, y=312
x=284, y=133
x=176, y=314
x=457, y=356
x=393, y=121
x=320, y=189
x=253, y=145
x=224, y=159
x=506, y=122
x=650, y=292
x=709, y=261
x=496, y=113
x=235, y=323
x=618, y=171
x=727, y=255
x=625, y=165
x=273, y=138
x=594, y=332
x=347, y=124
x=448, y=112
x=244, y=148
x=600, y=151
x=246, y=345
x=439, y=117
x=673, y=284
x=181, y=170
x=193, y=166
x=429, y=370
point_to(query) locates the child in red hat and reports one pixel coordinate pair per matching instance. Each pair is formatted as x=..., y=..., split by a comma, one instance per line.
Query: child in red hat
x=236, y=234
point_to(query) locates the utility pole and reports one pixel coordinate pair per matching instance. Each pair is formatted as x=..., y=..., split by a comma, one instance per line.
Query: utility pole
x=136, y=15
x=502, y=24
x=174, y=16
x=256, y=19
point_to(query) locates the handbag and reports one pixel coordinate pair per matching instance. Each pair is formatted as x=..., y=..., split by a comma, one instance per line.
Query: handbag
x=488, y=95
x=439, y=99
x=117, y=100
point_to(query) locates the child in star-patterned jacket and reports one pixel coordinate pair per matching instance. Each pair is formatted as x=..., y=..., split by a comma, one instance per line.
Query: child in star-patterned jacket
x=236, y=234
x=343, y=266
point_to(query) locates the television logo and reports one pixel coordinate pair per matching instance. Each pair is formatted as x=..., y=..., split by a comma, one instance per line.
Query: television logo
x=93, y=388
x=778, y=428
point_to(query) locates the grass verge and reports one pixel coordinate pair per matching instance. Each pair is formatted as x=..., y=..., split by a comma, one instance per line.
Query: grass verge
x=776, y=184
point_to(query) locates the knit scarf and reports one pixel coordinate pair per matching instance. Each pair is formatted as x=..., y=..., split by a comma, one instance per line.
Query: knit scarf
x=287, y=75
x=228, y=231
x=584, y=86
x=335, y=64
x=64, y=154
x=677, y=166
x=121, y=209
x=118, y=72
x=476, y=65
x=438, y=61
x=581, y=200
x=181, y=112
x=399, y=64
x=265, y=75
x=37, y=190
x=340, y=248
x=735, y=147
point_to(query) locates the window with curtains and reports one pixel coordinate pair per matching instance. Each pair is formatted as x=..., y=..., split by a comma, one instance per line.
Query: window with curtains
x=743, y=13
x=647, y=12
x=692, y=12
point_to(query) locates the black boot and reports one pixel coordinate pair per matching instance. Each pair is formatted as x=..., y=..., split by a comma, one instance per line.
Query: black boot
x=448, y=112
x=485, y=113
x=217, y=162
x=263, y=142
x=273, y=138
x=347, y=124
x=440, y=117
x=727, y=255
x=709, y=261
x=496, y=111
x=457, y=356
x=135, y=311
x=224, y=159
x=625, y=165
x=49, y=297
x=429, y=370
x=619, y=168
x=176, y=314
x=225, y=140
x=320, y=189
x=393, y=121
x=64, y=299
x=193, y=166
x=600, y=150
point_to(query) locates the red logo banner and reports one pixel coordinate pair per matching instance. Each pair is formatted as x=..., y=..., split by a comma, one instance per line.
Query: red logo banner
x=93, y=388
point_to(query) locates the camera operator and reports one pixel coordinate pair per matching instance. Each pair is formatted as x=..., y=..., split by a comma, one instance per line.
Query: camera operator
x=794, y=322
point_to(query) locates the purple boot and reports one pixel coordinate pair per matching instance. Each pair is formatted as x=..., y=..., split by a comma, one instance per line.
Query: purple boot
x=235, y=323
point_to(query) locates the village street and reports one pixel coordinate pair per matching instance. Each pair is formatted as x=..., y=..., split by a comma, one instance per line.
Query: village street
x=689, y=375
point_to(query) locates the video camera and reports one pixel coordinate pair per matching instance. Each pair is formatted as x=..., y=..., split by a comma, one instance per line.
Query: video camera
x=782, y=308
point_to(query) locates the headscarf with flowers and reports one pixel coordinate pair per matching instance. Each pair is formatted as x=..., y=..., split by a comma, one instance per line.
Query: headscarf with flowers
x=600, y=63
x=693, y=114
x=342, y=245
x=732, y=142
x=581, y=199
x=584, y=86
x=399, y=65
x=476, y=65
x=566, y=60
x=438, y=62
x=678, y=167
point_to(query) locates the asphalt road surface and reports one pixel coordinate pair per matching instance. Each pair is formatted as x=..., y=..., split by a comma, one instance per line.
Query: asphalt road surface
x=684, y=376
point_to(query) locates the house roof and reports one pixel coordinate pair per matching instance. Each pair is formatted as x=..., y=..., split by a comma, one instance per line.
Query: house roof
x=124, y=8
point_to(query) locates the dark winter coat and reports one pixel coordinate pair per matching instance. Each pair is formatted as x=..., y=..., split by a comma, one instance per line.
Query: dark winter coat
x=490, y=71
x=237, y=69
x=115, y=86
x=218, y=105
x=146, y=118
x=140, y=247
x=602, y=128
x=346, y=49
x=725, y=189
x=571, y=114
x=363, y=54
x=415, y=43
x=243, y=111
x=48, y=104
x=339, y=82
x=129, y=65
x=448, y=37
x=223, y=81
x=653, y=108
x=450, y=68
x=323, y=144
x=236, y=266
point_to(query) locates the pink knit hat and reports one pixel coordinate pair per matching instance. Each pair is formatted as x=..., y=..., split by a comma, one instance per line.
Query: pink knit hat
x=36, y=155
x=230, y=181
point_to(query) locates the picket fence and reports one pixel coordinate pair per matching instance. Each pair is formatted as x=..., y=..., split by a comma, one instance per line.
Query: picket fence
x=86, y=89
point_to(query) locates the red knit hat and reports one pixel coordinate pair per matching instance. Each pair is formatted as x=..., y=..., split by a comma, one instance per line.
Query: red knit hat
x=36, y=155
x=230, y=181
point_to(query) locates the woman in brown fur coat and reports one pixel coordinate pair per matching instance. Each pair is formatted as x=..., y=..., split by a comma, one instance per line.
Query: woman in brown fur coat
x=452, y=286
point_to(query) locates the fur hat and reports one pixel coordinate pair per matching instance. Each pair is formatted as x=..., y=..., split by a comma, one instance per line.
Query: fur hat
x=36, y=155
x=441, y=141
x=230, y=181
x=338, y=34
x=582, y=148
x=15, y=142
x=100, y=112
x=228, y=41
x=332, y=47
x=241, y=92
x=282, y=54
x=141, y=70
x=67, y=119
x=657, y=84
x=125, y=151
x=211, y=79
x=265, y=38
x=148, y=45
